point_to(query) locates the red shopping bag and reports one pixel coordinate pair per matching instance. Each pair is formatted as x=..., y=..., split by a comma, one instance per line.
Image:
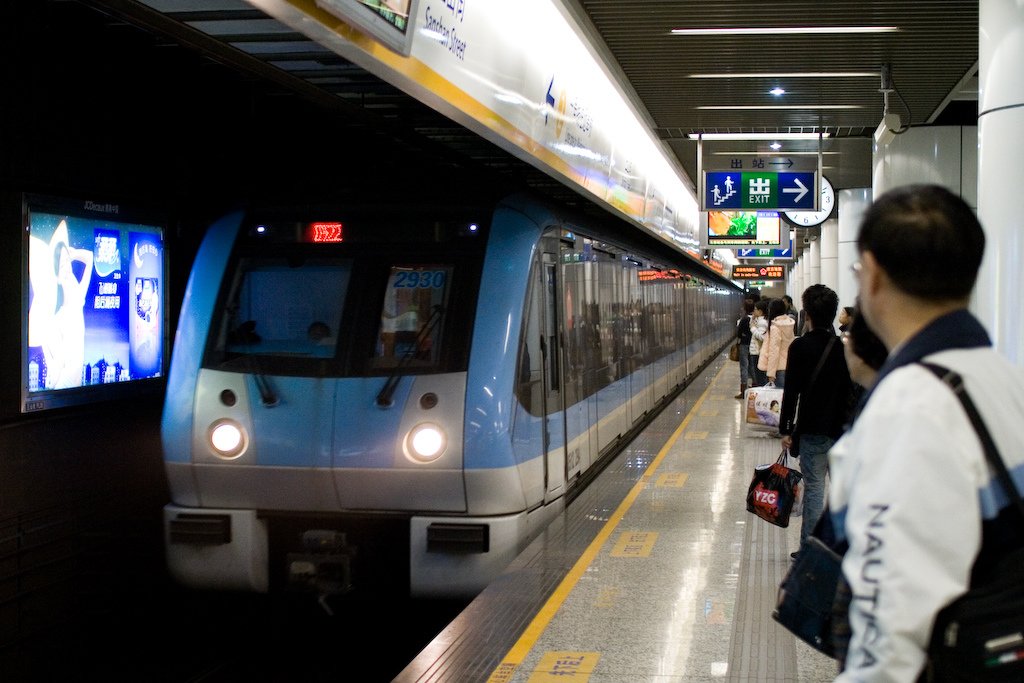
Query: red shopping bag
x=773, y=490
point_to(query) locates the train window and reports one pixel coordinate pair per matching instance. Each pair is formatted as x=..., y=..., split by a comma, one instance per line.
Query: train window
x=412, y=316
x=286, y=308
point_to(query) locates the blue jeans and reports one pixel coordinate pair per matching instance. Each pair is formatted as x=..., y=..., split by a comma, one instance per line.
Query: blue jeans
x=814, y=466
x=744, y=363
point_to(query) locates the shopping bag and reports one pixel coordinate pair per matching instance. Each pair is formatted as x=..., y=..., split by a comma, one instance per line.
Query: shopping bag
x=806, y=595
x=798, y=499
x=763, y=405
x=773, y=490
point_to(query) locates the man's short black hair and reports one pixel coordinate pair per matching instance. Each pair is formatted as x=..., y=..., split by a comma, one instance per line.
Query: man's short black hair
x=820, y=304
x=926, y=239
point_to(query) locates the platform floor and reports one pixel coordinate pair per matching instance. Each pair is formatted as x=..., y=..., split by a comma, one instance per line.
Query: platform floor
x=655, y=573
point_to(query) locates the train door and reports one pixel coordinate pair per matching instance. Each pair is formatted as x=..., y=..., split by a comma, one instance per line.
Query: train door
x=578, y=355
x=552, y=393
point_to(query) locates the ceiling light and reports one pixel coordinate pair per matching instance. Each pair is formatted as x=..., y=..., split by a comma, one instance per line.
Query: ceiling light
x=776, y=145
x=758, y=136
x=774, y=136
x=794, y=74
x=777, y=91
x=781, y=106
x=781, y=30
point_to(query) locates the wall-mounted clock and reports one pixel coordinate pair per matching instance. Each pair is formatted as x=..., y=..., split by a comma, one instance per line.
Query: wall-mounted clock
x=826, y=202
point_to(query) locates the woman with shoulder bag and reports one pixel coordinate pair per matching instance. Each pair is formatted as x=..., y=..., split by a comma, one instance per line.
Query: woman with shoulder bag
x=743, y=345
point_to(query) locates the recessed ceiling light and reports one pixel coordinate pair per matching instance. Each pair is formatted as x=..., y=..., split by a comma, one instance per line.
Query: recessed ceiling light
x=781, y=30
x=779, y=106
x=776, y=145
x=757, y=136
x=777, y=91
x=794, y=74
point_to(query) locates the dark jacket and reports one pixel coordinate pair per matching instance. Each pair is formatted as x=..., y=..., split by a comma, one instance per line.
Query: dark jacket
x=824, y=407
x=743, y=331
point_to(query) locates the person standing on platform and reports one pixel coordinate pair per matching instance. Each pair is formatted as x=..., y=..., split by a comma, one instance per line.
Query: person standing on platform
x=776, y=343
x=845, y=317
x=758, y=330
x=865, y=353
x=911, y=491
x=815, y=399
x=743, y=340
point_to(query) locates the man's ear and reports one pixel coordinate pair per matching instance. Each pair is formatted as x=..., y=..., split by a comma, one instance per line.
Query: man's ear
x=872, y=277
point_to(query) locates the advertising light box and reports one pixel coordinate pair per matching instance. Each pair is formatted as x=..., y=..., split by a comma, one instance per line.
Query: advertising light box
x=94, y=317
x=386, y=20
x=743, y=228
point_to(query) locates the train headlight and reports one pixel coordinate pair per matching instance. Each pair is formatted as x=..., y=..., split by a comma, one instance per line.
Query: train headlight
x=426, y=442
x=227, y=439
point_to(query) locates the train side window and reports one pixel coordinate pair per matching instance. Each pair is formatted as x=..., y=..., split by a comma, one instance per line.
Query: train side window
x=412, y=316
x=283, y=308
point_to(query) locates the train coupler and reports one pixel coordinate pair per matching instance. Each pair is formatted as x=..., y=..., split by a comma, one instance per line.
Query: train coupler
x=325, y=566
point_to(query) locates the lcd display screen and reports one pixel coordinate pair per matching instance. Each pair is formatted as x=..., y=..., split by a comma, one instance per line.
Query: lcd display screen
x=744, y=228
x=94, y=302
x=388, y=21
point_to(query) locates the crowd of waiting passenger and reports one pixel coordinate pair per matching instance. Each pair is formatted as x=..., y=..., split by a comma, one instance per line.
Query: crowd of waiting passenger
x=893, y=468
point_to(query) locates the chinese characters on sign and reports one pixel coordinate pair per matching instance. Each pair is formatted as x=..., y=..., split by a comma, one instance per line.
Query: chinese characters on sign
x=772, y=272
x=758, y=190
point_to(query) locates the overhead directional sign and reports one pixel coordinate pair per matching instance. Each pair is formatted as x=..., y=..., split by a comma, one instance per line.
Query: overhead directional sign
x=751, y=253
x=759, y=190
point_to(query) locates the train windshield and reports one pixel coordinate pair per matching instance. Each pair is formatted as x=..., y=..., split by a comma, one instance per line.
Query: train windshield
x=411, y=317
x=286, y=308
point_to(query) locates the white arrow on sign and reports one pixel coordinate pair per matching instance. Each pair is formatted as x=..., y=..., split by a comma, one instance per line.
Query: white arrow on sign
x=801, y=190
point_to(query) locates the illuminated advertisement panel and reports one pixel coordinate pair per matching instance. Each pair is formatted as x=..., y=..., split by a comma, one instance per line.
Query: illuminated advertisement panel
x=94, y=302
x=744, y=228
x=388, y=21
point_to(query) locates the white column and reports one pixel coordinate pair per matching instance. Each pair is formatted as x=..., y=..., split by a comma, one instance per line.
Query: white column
x=830, y=254
x=814, y=265
x=851, y=205
x=997, y=297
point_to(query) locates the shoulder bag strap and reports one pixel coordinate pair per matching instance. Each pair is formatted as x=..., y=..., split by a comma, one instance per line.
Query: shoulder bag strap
x=956, y=383
x=821, y=362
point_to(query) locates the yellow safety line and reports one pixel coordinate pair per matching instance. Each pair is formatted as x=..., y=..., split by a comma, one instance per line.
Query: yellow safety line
x=540, y=622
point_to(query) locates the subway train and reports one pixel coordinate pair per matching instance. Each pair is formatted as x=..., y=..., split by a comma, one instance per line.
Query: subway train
x=379, y=399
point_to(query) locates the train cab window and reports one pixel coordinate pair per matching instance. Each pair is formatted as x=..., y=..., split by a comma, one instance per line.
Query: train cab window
x=412, y=317
x=286, y=307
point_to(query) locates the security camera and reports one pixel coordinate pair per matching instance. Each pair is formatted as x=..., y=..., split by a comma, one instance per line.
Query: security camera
x=886, y=131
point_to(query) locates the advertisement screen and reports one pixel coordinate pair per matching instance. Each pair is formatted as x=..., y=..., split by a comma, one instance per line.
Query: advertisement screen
x=94, y=304
x=388, y=21
x=744, y=228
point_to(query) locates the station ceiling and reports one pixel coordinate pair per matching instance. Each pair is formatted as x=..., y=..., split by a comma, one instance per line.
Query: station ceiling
x=696, y=82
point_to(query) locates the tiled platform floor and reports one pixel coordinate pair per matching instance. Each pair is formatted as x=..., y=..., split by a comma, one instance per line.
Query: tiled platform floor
x=655, y=573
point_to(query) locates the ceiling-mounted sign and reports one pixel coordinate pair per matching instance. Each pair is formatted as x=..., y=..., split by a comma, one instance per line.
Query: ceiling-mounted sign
x=759, y=190
x=759, y=272
x=752, y=253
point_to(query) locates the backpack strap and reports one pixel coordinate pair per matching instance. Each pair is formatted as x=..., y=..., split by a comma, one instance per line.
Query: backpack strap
x=956, y=383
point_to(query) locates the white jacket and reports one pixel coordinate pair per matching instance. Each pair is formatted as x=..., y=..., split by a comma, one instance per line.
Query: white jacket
x=909, y=488
x=758, y=327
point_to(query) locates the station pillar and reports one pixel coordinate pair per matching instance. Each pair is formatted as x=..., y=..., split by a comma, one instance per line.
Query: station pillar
x=997, y=298
x=829, y=240
x=851, y=204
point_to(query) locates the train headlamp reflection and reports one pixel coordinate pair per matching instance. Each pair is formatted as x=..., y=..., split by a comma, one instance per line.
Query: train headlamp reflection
x=227, y=439
x=426, y=442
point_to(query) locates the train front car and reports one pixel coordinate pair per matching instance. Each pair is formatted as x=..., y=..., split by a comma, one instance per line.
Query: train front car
x=384, y=400
x=316, y=398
